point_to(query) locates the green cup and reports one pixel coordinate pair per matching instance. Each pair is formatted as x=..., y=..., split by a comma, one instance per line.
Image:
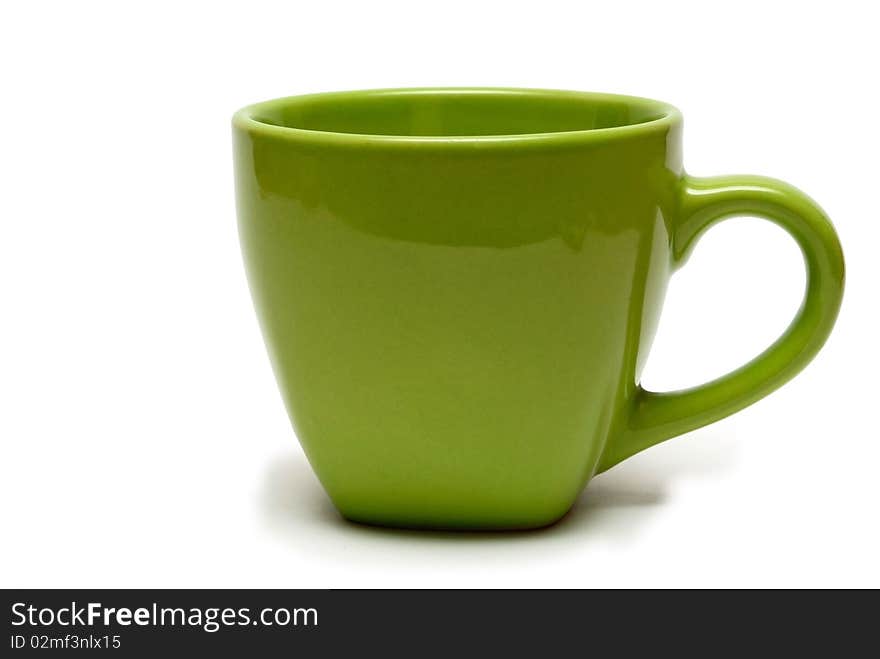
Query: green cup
x=459, y=288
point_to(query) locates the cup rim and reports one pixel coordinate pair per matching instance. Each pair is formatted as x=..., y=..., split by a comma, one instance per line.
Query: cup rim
x=246, y=120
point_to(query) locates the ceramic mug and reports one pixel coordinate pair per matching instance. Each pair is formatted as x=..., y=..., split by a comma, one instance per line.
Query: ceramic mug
x=458, y=289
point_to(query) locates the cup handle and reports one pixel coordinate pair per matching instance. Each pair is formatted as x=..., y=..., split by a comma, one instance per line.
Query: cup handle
x=655, y=417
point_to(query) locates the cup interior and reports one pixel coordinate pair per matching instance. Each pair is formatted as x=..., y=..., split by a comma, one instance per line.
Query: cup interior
x=457, y=112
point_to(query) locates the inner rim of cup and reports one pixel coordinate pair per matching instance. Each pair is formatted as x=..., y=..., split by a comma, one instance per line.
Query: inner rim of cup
x=456, y=113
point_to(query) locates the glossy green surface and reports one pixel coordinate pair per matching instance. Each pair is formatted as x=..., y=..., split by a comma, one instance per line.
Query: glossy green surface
x=459, y=289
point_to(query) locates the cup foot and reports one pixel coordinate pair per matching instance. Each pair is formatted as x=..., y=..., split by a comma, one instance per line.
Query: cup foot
x=452, y=523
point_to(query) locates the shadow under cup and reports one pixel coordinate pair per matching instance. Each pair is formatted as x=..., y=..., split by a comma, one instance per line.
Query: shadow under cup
x=458, y=289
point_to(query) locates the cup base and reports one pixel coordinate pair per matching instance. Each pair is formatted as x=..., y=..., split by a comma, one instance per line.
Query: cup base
x=452, y=524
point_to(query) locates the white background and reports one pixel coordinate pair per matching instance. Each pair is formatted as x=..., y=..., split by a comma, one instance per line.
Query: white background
x=144, y=442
